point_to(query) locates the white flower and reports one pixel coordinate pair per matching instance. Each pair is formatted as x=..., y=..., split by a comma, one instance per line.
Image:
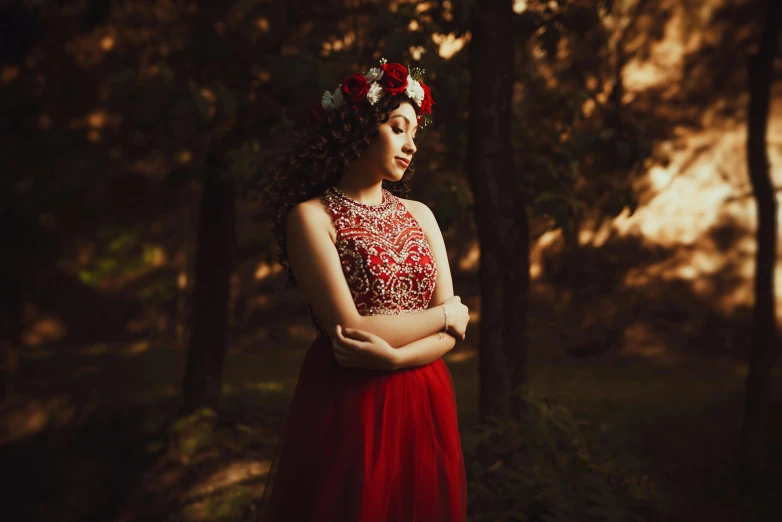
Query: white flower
x=339, y=100
x=327, y=101
x=333, y=100
x=375, y=93
x=374, y=74
x=414, y=91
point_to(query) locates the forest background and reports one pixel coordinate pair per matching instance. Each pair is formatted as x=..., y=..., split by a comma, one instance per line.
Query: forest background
x=150, y=344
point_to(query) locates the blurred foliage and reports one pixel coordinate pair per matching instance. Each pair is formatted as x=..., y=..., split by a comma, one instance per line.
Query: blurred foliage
x=554, y=467
x=577, y=143
x=109, y=116
x=233, y=505
x=544, y=470
x=154, y=89
x=121, y=253
x=193, y=433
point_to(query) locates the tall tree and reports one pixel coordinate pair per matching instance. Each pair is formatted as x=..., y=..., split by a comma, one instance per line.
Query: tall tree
x=500, y=213
x=10, y=332
x=214, y=265
x=755, y=435
x=234, y=122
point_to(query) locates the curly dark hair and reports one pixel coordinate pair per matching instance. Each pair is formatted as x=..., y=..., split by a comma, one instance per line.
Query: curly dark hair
x=319, y=156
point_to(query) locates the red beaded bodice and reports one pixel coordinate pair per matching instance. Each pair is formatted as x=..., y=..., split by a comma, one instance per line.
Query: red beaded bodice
x=385, y=257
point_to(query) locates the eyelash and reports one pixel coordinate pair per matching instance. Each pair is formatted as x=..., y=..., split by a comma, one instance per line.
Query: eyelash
x=395, y=129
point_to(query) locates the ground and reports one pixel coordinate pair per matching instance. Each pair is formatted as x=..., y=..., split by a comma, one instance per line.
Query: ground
x=90, y=434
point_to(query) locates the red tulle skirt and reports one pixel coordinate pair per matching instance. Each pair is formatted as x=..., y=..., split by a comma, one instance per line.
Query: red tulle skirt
x=367, y=446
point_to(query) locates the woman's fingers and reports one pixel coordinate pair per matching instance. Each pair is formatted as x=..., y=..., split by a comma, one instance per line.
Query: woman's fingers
x=352, y=333
x=348, y=345
x=359, y=349
x=347, y=351
x=360, y=335
x=349, y=356
x=344, y=349
x=453, y=331
x=335, y=332
x=341, y=334
x=343, y=355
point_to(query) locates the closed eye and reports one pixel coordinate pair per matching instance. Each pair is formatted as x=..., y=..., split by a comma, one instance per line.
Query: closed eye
x=398, y=130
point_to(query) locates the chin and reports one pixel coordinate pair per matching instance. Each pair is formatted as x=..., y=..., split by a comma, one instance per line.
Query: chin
x=393, y=177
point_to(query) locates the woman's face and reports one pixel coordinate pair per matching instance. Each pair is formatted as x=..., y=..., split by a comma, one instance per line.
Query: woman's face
x=391, y=152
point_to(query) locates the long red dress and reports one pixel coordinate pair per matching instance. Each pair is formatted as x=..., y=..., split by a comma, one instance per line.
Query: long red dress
x=366, y=445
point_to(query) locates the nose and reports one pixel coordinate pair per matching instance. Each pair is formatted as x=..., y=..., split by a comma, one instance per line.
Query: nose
x=409, y=147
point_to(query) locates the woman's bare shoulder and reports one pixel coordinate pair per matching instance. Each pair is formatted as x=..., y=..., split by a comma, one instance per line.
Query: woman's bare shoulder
x=309, y=209
x=420, y=211
x=312, y=212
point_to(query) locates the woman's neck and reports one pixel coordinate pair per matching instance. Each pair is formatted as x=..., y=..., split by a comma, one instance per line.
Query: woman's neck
x=361, y=188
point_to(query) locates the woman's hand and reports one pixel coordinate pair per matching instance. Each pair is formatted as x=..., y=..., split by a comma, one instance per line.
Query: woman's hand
x=458, y=317
x=359, y=349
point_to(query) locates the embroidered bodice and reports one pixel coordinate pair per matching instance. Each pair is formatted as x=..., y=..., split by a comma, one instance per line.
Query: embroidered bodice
x=384, y=254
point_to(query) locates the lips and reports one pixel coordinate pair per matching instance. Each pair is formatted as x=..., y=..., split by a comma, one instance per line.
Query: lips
x=403, y=161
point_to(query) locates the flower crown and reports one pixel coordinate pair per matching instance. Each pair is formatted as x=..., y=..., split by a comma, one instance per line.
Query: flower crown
x=389, y=78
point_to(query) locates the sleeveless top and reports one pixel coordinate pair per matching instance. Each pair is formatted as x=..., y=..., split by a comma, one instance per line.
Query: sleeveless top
x=385, y=257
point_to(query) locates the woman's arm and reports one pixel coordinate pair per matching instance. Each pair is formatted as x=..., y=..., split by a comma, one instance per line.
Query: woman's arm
x=316, y=265
x=443, y=288
x=362, y=349
x=423, y=351
x=430, y=348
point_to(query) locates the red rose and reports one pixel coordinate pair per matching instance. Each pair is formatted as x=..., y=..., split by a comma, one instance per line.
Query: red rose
x=426, y=105
x=394, y=79
x=355, y=88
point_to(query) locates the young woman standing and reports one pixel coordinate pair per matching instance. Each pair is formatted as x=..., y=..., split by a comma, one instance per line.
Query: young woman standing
x=371, y=434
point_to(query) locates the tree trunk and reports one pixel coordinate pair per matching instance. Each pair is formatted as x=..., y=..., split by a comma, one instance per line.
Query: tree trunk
x=10, y=332
x=211, y=289
x=500, y=213
x=755, y=432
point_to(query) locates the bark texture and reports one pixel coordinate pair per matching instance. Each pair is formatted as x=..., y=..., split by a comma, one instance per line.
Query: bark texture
x=211, y=290
x=755, y=431
x=500, y=213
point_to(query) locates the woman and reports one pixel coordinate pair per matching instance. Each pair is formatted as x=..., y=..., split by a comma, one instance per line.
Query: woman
x=372, y=434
